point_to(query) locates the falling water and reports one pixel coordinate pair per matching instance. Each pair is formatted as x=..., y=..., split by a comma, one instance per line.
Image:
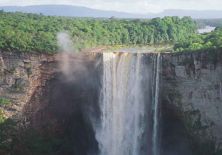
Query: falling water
x=155, y=148
x=122, y=105
x=126, y=102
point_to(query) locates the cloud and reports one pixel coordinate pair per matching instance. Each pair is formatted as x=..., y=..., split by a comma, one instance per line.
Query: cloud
x=134, y=6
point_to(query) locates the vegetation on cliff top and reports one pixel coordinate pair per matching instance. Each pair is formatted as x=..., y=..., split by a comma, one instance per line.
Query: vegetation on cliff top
x=202, y=42
x=208, y=41
x=37, y=33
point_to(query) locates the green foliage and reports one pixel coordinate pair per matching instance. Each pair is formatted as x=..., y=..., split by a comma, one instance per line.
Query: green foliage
x=4, y=101
x=211, y=40
x=37, y=33
x=2, y=117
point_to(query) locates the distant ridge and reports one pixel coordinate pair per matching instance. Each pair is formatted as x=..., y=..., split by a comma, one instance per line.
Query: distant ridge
x=78, y=11
x=205, y=14
x=68, y=10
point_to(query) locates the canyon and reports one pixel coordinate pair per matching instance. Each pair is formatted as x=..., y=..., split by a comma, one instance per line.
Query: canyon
x=62, y=109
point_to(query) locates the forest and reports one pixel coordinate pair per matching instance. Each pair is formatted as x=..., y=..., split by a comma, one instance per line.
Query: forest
x=208, y=41
x=37, y=33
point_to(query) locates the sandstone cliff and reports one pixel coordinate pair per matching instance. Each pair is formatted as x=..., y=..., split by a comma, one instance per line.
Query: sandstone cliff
x=20, y=76
x=192, y=84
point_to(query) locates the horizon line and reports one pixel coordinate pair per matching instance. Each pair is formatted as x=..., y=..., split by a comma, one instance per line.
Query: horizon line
x=71, y=5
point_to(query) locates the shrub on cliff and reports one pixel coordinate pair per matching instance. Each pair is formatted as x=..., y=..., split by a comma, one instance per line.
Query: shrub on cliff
x=4, y=101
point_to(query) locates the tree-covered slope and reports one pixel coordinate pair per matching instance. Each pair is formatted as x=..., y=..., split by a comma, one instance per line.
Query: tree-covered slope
x=37, y=33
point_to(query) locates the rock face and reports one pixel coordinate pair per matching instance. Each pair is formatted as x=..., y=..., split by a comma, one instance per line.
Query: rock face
x=192, y=86
x=65, y=107
x=20, y=76
x=50, y=109
x=46, y=101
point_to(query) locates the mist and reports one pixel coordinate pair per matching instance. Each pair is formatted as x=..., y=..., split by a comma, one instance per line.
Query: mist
x=79, y=68
x=72, y=64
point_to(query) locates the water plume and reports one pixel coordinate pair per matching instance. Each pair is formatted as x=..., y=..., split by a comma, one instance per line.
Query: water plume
x=71, y=63
x=65, y=43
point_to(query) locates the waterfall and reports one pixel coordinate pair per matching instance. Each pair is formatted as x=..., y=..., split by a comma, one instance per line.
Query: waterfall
x=125, y=104
x=155, y=138
x=122, y=105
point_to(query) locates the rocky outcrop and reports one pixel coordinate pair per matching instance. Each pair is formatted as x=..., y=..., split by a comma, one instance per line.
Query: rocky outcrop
x=192, y=84
x=20, y=75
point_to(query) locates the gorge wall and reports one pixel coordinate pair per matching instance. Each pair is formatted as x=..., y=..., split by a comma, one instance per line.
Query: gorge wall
x=20, y=76
x=192, y=91
x=60, y=113
x=47, y=108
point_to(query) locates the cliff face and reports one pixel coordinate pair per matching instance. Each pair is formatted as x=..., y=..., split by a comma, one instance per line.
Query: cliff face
x=48, y=109
x=20, y=76
x=61, y=109
x=192, y=86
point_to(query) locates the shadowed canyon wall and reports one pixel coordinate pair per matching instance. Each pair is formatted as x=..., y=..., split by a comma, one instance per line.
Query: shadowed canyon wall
x=192, y=92
x=51, y=111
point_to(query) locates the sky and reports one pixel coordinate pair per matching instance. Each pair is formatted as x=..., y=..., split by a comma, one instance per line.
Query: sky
x=131, y=6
